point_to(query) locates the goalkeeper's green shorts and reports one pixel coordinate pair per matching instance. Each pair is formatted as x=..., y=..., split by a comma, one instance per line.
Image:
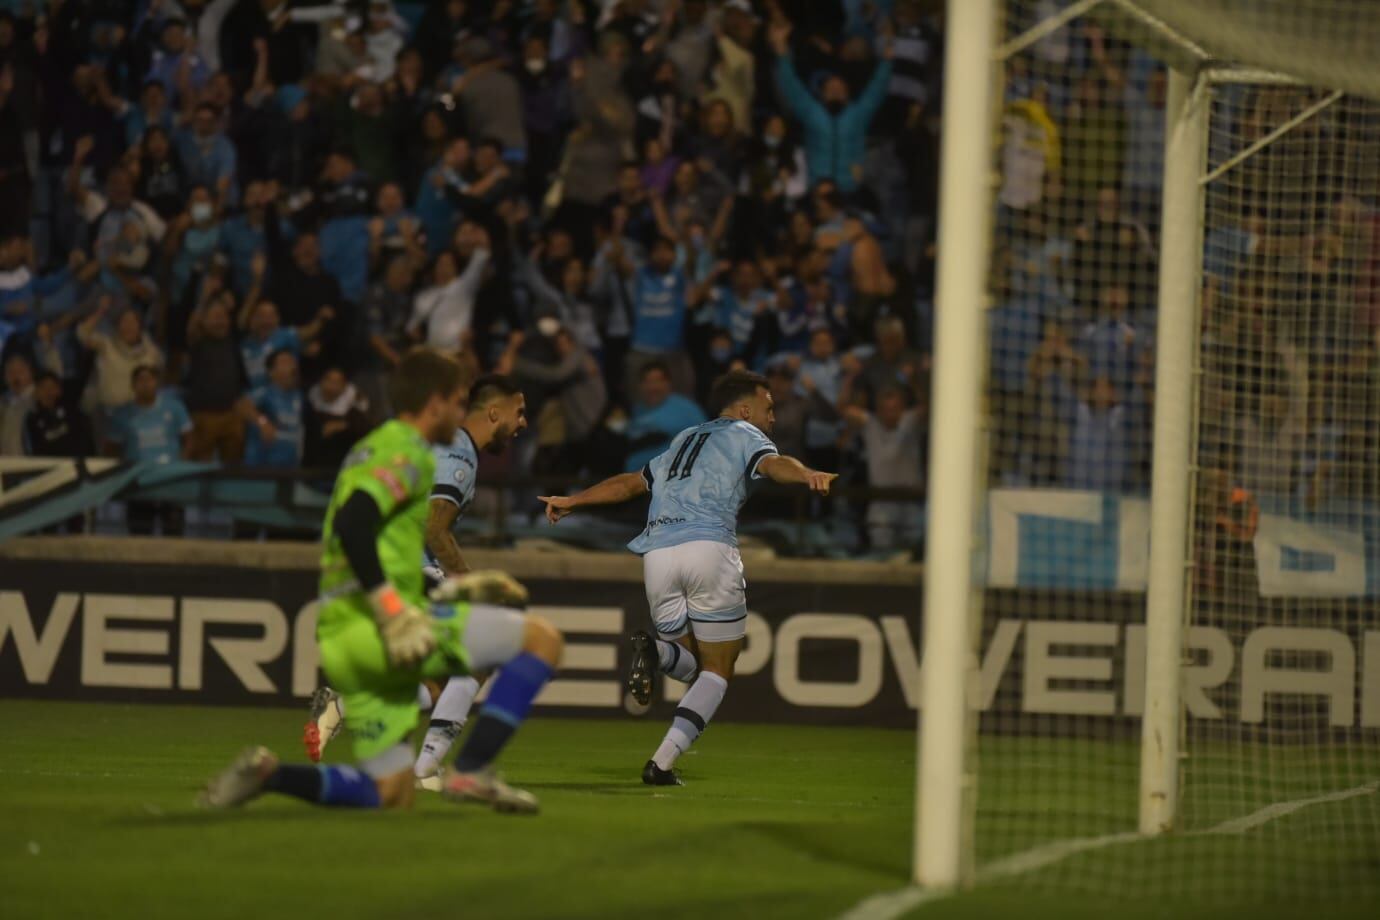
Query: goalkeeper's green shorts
x=381, y=707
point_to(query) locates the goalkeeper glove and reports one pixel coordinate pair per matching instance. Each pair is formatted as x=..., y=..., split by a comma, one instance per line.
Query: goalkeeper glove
x=485, y=587
x=406, y=631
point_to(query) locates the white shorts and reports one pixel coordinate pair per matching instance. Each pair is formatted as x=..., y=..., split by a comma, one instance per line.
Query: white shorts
x=697, y=586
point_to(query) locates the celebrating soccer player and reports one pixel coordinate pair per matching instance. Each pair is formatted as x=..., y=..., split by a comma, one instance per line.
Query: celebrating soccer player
x=378, y=637
x=693, y=573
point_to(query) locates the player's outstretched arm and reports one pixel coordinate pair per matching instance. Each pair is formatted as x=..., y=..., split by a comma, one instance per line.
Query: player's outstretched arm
x=612, y=491
x=791, y=472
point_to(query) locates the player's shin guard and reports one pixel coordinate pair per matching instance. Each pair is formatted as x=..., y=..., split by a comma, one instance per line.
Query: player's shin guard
x=698, y=706
x=340, y=787
x=676, y=662
x=447, y=719
x=516, y=686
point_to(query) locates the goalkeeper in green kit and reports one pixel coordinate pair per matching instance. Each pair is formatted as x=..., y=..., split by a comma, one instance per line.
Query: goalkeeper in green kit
x=380, y=637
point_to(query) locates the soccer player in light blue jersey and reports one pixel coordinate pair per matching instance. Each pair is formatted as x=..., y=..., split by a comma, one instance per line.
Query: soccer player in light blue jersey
x=691, y=566
x=497, y=412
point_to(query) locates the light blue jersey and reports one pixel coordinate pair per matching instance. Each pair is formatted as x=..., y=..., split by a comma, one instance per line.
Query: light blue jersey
x=457, y=468
x=700, y=482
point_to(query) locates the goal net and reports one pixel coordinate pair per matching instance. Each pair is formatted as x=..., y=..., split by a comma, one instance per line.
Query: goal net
x=1276, y=793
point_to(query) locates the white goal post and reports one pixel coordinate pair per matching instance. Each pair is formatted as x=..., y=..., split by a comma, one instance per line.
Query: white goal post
x=1211, y=142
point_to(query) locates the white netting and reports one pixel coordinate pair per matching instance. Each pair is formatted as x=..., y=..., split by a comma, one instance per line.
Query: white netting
x=1281, y=682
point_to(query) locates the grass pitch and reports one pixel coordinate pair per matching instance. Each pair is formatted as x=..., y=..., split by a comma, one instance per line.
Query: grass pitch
x=96, y=819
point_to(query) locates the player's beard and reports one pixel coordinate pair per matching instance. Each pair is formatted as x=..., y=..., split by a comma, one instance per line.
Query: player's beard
x=499, y=442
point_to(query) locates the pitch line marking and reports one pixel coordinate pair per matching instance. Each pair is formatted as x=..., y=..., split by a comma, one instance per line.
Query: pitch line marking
x=889, y=905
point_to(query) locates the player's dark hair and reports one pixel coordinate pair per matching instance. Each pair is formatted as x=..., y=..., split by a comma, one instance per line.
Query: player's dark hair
x=733, y=386
x=422, y=374
x=491, y=388
x=141, y=369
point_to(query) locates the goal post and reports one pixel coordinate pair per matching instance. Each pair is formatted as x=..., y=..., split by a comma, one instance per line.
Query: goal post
x=942, y=852
x=1151, y=643
x=1185, y=114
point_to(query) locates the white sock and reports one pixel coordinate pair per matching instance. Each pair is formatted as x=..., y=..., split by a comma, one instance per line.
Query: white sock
x=698, y=706
x=676, y=661
x=447, y=719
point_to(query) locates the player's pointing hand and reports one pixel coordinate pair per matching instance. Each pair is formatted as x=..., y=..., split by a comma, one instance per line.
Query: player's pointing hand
x=557, y=506
x=819, y=482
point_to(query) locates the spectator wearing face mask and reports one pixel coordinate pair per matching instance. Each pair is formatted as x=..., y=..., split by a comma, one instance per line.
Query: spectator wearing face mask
x=195, y=238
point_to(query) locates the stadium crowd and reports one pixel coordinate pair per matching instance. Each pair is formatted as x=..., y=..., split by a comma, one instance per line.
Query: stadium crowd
x=224, y=221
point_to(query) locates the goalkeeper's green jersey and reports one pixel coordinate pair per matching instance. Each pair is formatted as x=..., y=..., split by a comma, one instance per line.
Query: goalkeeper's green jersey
x=394, y=465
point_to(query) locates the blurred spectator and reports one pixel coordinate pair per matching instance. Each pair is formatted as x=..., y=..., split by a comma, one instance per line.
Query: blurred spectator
x=574, y=379
x=275, y=433
x=820, y=380
x=1101, y=441
x=446, y=308
x=214, y=385
x=893, y=363
x=118, y=356
x=657, y=416
x=385, y=314
x=490, y=99
x=661, y=299
x=267, y=336
x=835, y=124
x=162, y=183
x=153, y=428
x=206, y=155
x=338, y=416
x=1110, y=343
x=56, y=426
x=153, y=111
x=176, y=63
x=18, y=400
x=893, y=439
x=300, y=287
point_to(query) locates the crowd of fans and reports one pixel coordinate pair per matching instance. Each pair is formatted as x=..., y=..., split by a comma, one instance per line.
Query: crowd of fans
x=223, y=221
x=1287, y=408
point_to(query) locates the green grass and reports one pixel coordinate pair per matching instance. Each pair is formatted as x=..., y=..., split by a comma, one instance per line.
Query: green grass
x=96, y=819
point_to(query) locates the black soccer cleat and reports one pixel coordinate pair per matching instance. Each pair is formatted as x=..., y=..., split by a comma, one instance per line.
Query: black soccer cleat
x=652, y=775
x=642, y=673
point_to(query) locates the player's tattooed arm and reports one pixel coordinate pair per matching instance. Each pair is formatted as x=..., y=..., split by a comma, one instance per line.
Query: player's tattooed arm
x=440, y=538
x=612, y=491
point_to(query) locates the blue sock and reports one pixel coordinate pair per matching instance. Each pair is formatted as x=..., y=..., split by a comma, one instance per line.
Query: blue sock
x=348, y=787
x=330, y=786
x=515, y=687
